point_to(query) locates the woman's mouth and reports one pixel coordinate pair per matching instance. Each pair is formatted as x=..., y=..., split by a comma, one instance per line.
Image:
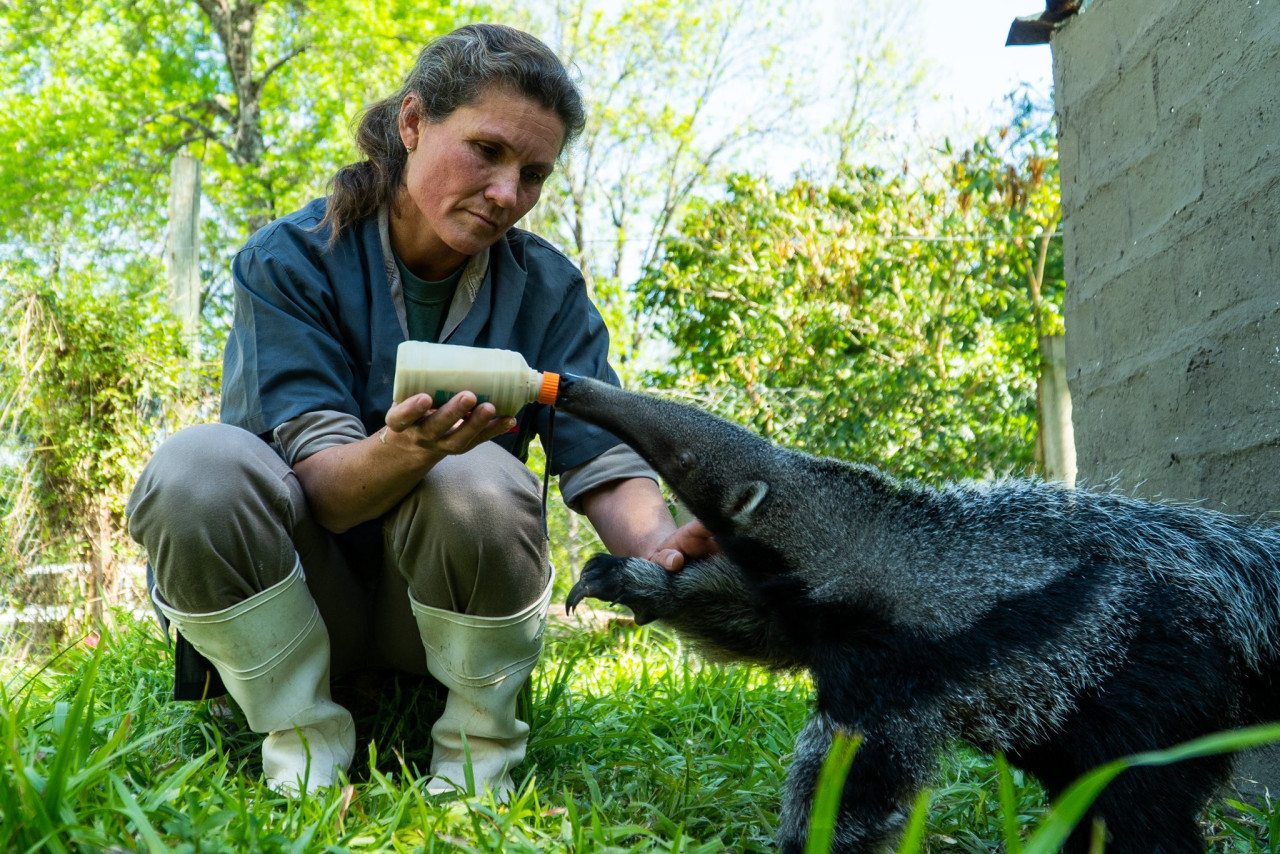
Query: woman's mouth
x=487, y=222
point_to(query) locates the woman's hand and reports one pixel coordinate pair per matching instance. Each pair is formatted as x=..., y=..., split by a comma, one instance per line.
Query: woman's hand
x=691, y=540
x=353, y=483
x=455, y=428
x=631, y=514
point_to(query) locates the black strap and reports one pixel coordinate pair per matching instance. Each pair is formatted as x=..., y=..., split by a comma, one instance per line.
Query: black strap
x=193, y=676
x=546, y=468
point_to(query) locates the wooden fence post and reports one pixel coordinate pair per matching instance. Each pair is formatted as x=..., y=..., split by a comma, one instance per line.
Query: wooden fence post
x=1055, y=442
x=182, y=254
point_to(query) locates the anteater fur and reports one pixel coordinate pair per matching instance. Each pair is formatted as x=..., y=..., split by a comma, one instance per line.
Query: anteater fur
x=1063, y=627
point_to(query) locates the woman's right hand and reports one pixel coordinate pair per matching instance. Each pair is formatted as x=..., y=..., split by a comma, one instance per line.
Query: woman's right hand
x=691, y=540
x=355, y=482
x=455, y=428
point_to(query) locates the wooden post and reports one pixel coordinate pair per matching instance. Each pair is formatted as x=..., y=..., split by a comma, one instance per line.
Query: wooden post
x=1056, y=445
x=182, y=254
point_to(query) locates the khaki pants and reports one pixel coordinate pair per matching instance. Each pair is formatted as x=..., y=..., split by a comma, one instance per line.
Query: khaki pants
x=222, y=517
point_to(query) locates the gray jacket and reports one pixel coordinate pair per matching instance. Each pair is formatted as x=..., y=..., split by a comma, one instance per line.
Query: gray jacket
x=311, y=356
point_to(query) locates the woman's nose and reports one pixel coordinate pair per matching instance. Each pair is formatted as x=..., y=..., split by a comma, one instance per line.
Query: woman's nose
x=503, y=188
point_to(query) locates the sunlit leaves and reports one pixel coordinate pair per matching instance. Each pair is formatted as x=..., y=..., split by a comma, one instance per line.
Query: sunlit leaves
x=886, y=317
x=98, y=96
x=94, y=374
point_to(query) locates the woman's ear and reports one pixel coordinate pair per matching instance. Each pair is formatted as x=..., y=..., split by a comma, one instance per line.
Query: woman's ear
x=410, y=119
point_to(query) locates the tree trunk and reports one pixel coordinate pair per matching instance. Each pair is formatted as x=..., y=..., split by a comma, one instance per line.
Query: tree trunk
x=234, y=22
x=102, y=564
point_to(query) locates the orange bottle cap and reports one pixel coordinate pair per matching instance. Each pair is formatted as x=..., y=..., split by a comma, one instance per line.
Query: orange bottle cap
x=550, y=388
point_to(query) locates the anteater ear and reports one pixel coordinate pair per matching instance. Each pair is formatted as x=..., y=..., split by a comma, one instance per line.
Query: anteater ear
x=744, y=501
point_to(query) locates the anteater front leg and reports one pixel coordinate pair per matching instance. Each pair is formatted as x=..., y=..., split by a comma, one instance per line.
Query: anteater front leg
x=709, y=602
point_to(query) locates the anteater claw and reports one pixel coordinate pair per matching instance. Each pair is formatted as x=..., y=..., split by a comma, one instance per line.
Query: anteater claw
x=599, y=580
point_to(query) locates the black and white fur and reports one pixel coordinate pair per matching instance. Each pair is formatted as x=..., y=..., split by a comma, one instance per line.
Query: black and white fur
x=1063, y=627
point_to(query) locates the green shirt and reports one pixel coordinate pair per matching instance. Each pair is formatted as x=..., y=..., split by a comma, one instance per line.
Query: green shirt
x=426, y=304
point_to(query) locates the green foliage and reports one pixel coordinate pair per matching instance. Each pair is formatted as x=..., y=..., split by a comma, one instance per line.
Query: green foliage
x=93, y=371
x=97, y=97
x=882, y=318
x=636, y=746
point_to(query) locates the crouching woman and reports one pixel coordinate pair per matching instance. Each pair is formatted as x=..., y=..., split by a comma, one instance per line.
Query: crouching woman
x=320, y=529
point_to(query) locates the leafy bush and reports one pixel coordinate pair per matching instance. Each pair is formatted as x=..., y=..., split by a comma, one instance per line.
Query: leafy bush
x=884, y=318
x=96, y=373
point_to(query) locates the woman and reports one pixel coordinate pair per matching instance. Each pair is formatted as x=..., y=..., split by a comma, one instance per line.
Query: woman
x=319, y=529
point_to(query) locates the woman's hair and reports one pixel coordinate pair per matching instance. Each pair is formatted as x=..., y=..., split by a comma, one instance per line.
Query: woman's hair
x=452, y=71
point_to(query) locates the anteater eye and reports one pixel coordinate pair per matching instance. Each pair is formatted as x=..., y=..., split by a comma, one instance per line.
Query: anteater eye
x=687, y=460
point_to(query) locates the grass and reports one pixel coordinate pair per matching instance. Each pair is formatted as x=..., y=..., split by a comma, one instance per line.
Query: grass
x=636, y=746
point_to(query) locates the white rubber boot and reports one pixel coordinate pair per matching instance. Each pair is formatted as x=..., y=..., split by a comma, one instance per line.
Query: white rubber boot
x=484, y=662
x=272, y=652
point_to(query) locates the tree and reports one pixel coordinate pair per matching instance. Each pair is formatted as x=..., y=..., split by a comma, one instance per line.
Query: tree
x=883, y=318
x=98, y=96
x=880, y=81
x=95, y=100
x=678, y=95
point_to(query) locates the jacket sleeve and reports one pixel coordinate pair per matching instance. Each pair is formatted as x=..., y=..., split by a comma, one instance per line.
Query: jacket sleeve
x=284, y=356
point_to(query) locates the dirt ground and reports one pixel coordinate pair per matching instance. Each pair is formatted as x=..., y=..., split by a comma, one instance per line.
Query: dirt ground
x=584, y=617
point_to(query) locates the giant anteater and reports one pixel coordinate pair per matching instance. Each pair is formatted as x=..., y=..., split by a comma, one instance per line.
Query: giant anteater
x=1063, y=627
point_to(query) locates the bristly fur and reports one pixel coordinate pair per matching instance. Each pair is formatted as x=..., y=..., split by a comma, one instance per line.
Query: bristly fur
x=1064, y=627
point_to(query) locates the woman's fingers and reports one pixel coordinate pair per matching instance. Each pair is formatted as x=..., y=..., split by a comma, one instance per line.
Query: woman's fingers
x=455, y=428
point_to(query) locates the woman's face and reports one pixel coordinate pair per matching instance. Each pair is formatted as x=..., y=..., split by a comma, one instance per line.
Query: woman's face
x=470, y=177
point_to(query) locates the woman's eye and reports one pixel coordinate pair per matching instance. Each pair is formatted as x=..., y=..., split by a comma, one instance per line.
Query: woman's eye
x=534, y=176
x=490, y=152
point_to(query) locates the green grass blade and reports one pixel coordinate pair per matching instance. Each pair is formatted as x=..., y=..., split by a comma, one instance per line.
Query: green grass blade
x=130, y=807
x=1075, y=802
x=74, y=732
x=1008, y=806
x=830, y=791
x=913, y=835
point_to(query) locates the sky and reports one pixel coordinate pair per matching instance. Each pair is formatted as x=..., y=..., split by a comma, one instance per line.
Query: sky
x=973, y=70
x=969, y=73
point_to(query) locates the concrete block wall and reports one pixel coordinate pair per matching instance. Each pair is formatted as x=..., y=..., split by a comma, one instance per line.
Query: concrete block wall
x=1169, y=145
x=1169, y=123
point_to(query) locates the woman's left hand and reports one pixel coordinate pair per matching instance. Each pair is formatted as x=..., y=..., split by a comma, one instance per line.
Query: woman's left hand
x=691, y=540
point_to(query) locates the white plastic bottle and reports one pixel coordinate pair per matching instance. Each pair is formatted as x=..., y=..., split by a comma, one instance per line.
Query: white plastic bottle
x=500, y=377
